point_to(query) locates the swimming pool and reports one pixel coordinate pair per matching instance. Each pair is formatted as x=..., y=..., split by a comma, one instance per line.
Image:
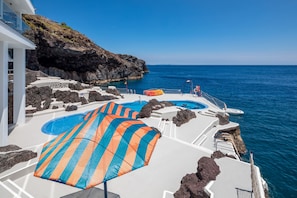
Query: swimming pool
x=137, y=105
x=189, y=104
x=63, y=124
x=60, y=125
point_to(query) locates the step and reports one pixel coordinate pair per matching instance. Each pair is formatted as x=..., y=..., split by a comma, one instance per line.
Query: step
x=156, y=114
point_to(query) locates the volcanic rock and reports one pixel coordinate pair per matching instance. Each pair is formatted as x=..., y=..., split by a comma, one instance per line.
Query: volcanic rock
x=207, y=169
x=76, y=86
x=153, y=104
x=183, y=116
x=67, y=96
x=223, y=119
x=71, y=108
x=47, y=103
x=64, y=52
x=8, y=160
x=219, y=154
x=35, y=95
x=233, y=135
x=113, y=91
x=96, y=96
x=83, y=100
x=10, y=147
x=192, y=185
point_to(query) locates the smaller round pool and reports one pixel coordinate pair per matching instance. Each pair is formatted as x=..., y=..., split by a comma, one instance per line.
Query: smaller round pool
x=61, y=125
x=137, y=105
x=188, y=104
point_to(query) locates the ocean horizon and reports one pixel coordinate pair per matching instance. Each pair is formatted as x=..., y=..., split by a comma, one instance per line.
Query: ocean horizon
x=266, y=93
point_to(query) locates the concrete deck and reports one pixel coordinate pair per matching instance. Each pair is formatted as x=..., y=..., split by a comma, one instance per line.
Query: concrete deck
x=173, y=157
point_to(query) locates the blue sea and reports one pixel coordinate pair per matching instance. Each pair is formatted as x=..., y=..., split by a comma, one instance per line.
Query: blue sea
x=267, y=95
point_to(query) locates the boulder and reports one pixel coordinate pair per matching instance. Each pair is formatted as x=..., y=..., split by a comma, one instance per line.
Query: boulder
x=71, y=108
x=153, y=104
x=223, y=119
x=8, y=160
x=113, y=91
x=67, y=96
x=219, y=154
x=77, y=86
x=192, y=185
x=55, y=107
x=233, y=135
x=47, y=103
x=207, y=169
x=96, y=96
x=35, y=95
x=10, y=147
x=83, y=100
x=183, y=116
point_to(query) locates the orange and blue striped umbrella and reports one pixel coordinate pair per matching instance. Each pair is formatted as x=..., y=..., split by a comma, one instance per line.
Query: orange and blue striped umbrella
x=98, y=149
x=115, y=109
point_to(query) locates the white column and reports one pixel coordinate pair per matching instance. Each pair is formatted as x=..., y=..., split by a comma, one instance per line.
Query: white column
x=19, y=80
x=3, y=93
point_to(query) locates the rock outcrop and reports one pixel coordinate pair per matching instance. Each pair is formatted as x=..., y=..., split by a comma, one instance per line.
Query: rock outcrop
x=233, y=135
x=13, y=156
x=64, y=52
x=10, y=147
x=192, y=185
x=36, y=95
x=153, y=104
x=183, y=116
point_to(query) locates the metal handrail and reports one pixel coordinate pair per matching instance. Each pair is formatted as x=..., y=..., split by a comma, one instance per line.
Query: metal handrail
x=219, y=103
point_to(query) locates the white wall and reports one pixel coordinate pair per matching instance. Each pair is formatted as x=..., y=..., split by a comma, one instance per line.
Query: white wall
x=4, y=93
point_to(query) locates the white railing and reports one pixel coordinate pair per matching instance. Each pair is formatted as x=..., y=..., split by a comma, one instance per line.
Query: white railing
x=172, y=91
x=213, y=100
x=14, y=20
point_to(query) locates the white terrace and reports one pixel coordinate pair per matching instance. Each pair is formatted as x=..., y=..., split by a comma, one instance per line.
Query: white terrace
x=175, y=155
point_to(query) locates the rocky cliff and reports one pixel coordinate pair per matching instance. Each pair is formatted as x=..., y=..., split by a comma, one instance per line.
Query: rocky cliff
x=64, y=52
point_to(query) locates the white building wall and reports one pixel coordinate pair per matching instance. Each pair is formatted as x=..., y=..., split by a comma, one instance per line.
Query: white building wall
x=19, y=80
x=4, y=93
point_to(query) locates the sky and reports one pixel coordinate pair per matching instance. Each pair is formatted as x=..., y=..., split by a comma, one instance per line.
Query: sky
x=192, y=32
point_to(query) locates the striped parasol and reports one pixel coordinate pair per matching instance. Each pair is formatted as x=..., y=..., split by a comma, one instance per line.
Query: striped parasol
x=115, y=109
x=98, y=149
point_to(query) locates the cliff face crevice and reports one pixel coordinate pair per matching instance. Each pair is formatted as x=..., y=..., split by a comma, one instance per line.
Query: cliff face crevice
x=66, y=53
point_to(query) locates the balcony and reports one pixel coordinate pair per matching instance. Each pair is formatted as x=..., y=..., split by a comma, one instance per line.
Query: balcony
x=12, y=18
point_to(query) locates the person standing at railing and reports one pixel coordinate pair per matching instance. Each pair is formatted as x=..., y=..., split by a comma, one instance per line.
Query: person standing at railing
x=197, y=90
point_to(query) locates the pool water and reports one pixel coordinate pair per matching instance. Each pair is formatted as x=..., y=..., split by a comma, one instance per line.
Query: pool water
x=137, y=105
x=188, y=104
x=60, y=125
x=63, y=124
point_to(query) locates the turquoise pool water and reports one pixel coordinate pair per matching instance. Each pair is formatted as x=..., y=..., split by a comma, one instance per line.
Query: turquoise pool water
x=137, y=105
x=60, y=125
x=189, y=104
